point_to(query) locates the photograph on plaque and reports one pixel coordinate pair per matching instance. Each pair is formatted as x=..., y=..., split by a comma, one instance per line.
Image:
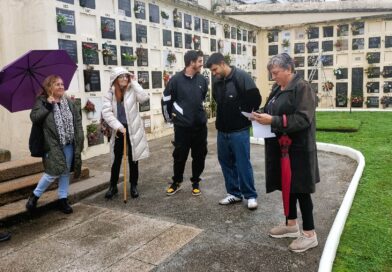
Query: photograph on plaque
x=177, y=18
x=124, y=8
x=143, y=79
x=67, y=1
x=244, y=35
x=327, y=46
x=213, y=45
x=374, y=42
x=92, y=80
x=187, y=21
x=156, y=79
x=178, y=40
x=142, y=56
x=125, y=31
x=140, y=10
x=109, y=54
x=90, y=53
x=233, y=33
x=153, y=13
x=70, y=47
x=213, y=28
x=188, y=41
x=205, y=26
x=373, y=87
x=87, y=4
x=196, y=42
x=144, y=106
x=239, y=48
x=299, y=61
x=141, y=33
x=167, y=37
x=388, y=41
x=197, y=26
x=328, y=31
x=65, y=21
x=273, y=50
x=127, y=57
x=108, y=28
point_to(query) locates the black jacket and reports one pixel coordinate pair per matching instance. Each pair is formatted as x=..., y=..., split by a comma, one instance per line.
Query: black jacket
x=298, y=103
x=234, y=94
x=183, y=98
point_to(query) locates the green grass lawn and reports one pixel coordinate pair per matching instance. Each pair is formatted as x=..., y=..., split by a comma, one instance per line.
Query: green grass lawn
x=366, y=242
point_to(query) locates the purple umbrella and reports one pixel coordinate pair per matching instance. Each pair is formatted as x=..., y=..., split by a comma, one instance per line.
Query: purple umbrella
x=21, y=81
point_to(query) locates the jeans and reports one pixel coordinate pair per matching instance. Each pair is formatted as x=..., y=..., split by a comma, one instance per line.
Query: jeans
x=118, y=157
x=185, y=139
x=234, y=159
x=47, y=179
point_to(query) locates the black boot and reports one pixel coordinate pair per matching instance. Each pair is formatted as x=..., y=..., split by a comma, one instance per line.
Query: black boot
x=112, y=191
x=64, y=206
x=5, y=236
x=31, y=204
x=134, y=192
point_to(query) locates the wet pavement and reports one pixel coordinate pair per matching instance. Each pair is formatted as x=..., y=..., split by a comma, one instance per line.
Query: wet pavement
x=175, y=233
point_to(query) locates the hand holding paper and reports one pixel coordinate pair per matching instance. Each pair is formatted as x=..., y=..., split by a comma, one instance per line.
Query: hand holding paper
x=259, y=130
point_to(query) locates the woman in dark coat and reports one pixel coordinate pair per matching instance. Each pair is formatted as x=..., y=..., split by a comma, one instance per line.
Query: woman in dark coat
x=63, y=140
x=290, y=109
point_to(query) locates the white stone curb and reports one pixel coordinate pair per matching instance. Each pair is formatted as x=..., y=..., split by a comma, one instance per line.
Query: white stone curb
x=331, y=245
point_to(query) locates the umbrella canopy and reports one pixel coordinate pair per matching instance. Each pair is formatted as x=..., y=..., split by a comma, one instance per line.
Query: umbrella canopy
x=285, y=142
x=21, y=81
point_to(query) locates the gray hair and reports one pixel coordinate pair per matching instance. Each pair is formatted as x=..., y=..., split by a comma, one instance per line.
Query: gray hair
x=282, y=60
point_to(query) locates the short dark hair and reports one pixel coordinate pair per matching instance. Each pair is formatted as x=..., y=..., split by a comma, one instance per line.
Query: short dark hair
x=215, y=58
x=192, y=55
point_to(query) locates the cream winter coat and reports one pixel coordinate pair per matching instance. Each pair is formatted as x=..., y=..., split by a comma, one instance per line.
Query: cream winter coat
x=137, y=136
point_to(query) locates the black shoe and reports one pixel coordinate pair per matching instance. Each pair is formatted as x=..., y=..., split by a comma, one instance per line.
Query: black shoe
x=31, y=204
x=5, y=236
x=111, y=192
x=134, y=192
x=64, y=206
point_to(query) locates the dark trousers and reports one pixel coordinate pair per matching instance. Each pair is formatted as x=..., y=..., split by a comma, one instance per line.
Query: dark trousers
x=118, y=156
x=306, y=206
x=185, y=139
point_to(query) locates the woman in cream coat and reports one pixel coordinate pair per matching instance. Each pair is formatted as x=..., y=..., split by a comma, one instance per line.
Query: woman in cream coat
x=120, y=111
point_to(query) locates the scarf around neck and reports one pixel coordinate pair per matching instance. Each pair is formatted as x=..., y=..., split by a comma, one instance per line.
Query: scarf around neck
x=64, y=121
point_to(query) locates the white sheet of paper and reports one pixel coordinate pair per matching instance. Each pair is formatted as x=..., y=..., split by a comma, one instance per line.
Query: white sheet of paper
x=262, y=131
x=259, y=130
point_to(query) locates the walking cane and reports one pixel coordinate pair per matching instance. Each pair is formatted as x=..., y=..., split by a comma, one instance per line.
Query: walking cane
x=125, y=166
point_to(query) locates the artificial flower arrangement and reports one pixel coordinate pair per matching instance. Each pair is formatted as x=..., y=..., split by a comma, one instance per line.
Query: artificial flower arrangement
x=89, y=106
x=171, y=58
x=327, y=86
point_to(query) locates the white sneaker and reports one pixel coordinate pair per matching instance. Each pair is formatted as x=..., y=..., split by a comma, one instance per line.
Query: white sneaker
x=230, y=199
x=303, y=243
x=252, y=204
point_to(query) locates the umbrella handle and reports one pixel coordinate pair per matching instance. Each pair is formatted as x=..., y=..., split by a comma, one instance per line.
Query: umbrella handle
x=125, y=166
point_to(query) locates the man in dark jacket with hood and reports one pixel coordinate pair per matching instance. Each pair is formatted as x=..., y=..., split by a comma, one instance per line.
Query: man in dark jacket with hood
x=182, y=104
x=234, y=92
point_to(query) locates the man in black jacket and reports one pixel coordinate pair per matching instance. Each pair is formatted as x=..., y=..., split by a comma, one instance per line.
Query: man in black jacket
x=234, y=91
x=182, y=104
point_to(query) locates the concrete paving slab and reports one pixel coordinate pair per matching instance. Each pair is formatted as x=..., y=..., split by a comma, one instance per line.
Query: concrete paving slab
x=128, y=264
x=166, y=244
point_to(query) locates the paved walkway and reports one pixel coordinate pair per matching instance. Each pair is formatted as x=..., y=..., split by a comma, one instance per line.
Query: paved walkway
x=178, y=233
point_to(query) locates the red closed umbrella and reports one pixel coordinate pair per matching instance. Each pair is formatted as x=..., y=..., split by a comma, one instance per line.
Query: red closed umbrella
x=285, y=142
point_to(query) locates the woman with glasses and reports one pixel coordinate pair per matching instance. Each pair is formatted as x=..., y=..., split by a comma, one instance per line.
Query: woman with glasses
x=120, y=111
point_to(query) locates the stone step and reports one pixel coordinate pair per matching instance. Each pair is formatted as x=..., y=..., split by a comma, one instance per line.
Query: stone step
x=16, y=211
x=20, y=188
x=19, y=168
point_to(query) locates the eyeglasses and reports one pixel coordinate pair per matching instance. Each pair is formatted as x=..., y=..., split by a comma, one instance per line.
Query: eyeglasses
x=123, y=76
